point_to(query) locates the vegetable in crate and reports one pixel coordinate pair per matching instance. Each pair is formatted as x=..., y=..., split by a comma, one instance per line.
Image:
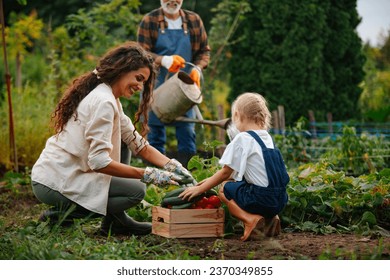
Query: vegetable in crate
x=173, y=201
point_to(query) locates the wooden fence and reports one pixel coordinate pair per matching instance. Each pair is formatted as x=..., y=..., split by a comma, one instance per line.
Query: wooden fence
x=330, y=127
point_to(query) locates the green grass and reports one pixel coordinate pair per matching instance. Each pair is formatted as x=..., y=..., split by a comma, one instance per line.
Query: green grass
x=38, y=241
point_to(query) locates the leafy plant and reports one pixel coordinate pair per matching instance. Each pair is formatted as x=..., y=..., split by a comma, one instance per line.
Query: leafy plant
x=358, y=154
x=104, y=26
x=294, y=144
x=13, y=180
x=323, y=200
x=202, y=168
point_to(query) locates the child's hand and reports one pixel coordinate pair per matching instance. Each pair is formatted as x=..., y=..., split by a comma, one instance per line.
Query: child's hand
x=191, y=192
x=201, y=182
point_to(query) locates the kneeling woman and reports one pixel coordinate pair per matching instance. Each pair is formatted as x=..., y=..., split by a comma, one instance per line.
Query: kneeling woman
x=79, y=171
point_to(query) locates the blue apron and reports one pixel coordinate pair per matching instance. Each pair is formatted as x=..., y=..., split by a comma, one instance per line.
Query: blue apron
x=268, y=201
x=170, y=42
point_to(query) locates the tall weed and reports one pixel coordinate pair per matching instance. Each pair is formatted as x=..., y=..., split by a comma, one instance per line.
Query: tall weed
x=32, y=107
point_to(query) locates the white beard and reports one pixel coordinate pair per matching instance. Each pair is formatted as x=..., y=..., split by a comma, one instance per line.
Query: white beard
x=171, y=7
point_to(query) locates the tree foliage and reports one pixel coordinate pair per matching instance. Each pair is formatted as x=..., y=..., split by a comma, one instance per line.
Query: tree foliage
x=385, y=51
x=20, y=38
x=67, y=51
x=104, y=25
x=343, y=54
x=231, y=13
x=304, y=55
x=374, y=101
x=51, y=12
x=23, y=32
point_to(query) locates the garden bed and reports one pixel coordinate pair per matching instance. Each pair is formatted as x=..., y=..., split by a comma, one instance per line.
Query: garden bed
x=19, y=226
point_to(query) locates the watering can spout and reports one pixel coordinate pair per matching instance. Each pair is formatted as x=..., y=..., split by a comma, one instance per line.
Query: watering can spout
x=224, y=123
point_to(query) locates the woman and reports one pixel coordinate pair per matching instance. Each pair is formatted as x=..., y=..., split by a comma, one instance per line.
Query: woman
x=79, y=172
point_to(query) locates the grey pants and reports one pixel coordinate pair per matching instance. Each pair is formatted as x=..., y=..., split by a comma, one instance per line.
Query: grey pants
x=123, y=194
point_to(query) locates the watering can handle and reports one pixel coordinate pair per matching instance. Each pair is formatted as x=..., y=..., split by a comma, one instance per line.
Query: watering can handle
x=200, y=71
x=198, y=113
x=194, y=66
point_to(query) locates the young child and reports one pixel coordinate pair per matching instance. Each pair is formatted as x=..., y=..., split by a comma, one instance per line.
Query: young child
x=253, y=176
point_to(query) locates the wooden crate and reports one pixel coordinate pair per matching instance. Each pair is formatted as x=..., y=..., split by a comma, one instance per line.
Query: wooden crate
x=188, y=223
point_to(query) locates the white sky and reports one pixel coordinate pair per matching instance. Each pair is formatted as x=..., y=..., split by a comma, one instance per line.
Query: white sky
x=375, y=19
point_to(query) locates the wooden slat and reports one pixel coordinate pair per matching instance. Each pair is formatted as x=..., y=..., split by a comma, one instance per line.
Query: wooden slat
x=275, y=121
x=188, y=230
x=187, y=216
x=282, y=121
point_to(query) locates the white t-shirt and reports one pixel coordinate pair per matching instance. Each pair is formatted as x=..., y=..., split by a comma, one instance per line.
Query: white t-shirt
x=245, y=157
x=174, y=24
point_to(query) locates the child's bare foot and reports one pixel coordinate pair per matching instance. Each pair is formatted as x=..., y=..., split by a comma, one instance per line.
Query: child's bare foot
x=251, y=221
x=258, y=232
x=253, y=224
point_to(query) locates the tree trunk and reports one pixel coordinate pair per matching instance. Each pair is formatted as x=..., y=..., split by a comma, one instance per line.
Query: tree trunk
x=18, y=81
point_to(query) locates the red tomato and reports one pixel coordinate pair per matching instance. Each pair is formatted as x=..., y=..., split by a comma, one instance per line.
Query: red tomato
x=209, y=206
x=202, y=202
x=215, y=201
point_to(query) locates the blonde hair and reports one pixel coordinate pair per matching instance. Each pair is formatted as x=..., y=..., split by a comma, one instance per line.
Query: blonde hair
x=253, y=107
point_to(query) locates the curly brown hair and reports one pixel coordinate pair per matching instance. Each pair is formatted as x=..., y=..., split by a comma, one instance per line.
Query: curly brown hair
x=117, y=62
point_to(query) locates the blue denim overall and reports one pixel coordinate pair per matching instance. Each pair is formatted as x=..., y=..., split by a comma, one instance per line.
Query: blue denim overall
x=171, y=42
x=268, y=201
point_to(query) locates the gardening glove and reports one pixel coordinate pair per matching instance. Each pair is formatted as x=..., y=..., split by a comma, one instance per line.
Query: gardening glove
x=173, y=62
x=195, y=75
x=160, y=177
x=176, y=167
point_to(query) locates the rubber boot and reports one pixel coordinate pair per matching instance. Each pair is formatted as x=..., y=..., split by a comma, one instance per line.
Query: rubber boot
x=53, y=217
x=272, y=226
x=121, y=223
x=66, y=217
x=251, y=221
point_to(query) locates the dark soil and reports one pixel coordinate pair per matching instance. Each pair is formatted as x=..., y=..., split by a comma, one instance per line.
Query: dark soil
x=291, y=246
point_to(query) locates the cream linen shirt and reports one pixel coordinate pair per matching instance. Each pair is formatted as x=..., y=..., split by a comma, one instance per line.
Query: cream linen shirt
x=245, y=157
x=91, y=142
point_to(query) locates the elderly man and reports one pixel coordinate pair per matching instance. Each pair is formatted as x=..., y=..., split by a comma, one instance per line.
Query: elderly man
x=174, y=36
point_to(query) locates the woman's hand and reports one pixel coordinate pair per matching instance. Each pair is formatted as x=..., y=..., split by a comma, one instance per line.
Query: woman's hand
x=176, y=167
x=152, y=155
x=160, y=177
